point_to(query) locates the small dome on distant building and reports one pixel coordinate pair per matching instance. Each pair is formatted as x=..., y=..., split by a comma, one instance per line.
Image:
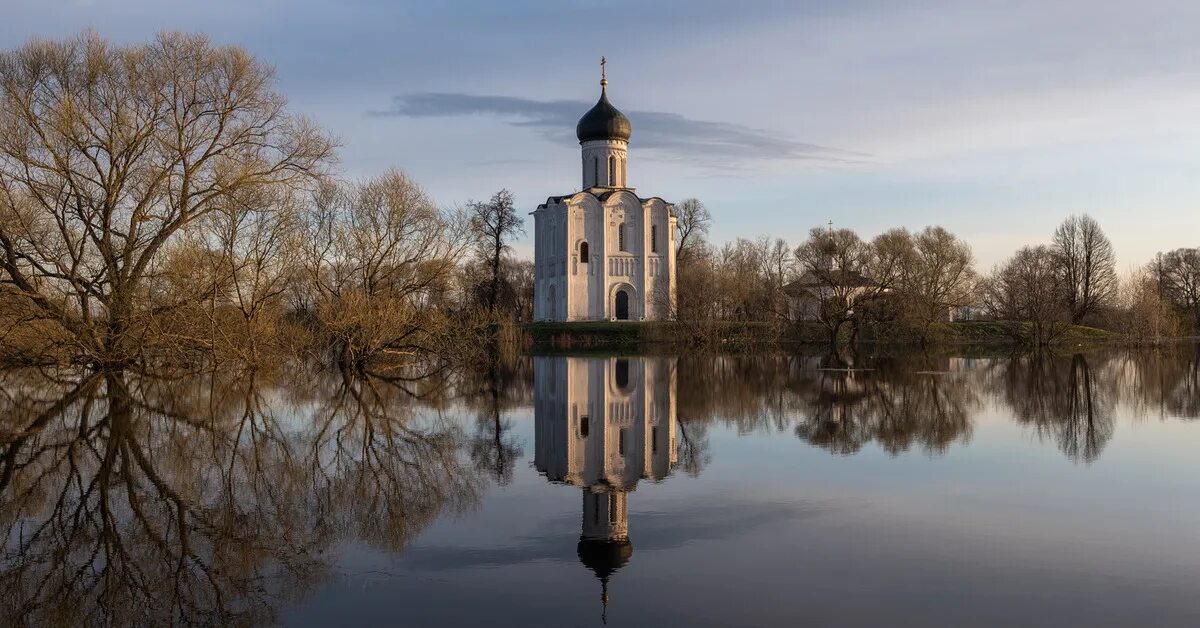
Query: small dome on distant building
x=603, y=121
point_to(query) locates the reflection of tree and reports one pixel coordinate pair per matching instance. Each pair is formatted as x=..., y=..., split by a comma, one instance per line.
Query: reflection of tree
x=694, y=454
x=129, y=499
x=901, y=401
x=109, y=518
x=1184, y=399
x=383, y=471
x=1066, y=399
x=493, y=449
x=1087, y=423
x=750, y=392
x=1163, y=383
x=897, y=403
x=836, y=402
x=932, y=410
x=839, y=397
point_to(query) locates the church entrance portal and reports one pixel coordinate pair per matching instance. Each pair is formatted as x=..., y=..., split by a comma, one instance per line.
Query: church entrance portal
x=622, y=305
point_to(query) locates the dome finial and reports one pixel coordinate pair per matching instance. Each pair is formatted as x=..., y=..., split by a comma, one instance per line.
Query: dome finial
x=603, y=121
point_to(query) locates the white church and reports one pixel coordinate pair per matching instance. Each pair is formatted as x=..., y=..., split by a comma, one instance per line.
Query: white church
x=604, y=253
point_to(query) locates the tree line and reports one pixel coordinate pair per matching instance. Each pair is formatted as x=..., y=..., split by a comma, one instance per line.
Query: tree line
x=905, y=282
x=159, y=199
x=905, y=400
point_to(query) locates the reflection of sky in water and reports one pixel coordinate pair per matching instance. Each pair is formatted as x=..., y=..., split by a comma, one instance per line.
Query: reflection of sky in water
x=999, y=528
x=759, y=490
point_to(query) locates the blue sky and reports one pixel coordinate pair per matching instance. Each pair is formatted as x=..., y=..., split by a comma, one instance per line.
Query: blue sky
x=994, y=119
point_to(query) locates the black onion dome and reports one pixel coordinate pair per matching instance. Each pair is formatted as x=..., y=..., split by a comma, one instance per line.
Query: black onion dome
x=603, y=122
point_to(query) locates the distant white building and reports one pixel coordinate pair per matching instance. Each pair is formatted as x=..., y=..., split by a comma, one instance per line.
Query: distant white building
x=813, y=290
x=604, y=253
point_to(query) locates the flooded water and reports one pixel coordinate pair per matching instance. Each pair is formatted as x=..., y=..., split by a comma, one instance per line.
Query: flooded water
x=572, y=491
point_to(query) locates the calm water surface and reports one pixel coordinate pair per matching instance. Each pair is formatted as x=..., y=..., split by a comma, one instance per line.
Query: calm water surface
x=570, y=491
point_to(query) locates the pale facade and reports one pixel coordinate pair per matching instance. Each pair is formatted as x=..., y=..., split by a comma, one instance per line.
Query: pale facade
x=813, y=290
x=604, y=253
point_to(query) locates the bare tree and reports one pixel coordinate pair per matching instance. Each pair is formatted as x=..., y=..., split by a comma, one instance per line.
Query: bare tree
x=1087, y=264
x=108, y=152
x=520, y=274
x=1179, y=279
x=695, y=305
x=259, y=253
x=692, y=222
x=842, y=274
x=495, y=223
x=377, y=253
x=938, y=274
x=690, y=303
x=740, y=295
x=1024, y=291
x=778, y=268
x=1147, y=316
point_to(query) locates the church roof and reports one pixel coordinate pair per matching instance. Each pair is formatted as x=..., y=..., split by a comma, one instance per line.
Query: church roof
x=604, y=195
x=603, y=122
x=821, y=278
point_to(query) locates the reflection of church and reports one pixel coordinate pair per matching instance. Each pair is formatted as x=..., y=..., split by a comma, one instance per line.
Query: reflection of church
x=602, y=424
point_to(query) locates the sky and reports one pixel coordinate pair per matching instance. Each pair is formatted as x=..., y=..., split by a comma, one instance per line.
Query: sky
x=995, y=119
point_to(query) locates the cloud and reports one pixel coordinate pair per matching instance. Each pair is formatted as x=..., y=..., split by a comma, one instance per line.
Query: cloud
x=672, y=136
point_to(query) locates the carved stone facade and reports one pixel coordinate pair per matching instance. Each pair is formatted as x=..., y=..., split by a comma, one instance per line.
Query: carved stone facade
x=604, y=253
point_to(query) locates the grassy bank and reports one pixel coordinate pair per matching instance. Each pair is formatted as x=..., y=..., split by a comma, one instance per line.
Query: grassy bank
x=987, y=333
x=608, y=336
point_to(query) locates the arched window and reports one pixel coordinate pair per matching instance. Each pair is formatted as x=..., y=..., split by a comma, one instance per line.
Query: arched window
x=595, y=171
x=584, y=424
x=653, y=238
x=583, y=252
x=612, y=171
x=621, y=237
